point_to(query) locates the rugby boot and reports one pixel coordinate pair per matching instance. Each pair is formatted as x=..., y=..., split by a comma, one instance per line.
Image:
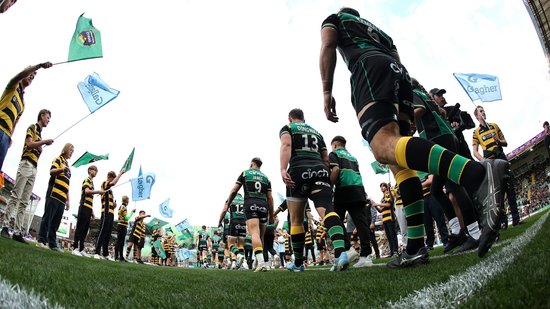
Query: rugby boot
x=489, y=198
x=454, y=241
x=469, y=244
x=406, y=260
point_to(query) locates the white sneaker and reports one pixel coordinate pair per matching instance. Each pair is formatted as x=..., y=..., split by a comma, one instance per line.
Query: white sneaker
x=352, y=255
x=233, y=265
x=76, y=252
x=260, y=268
x=364, y=261
x=42, y=246
x=240, y=259
x=98, y=257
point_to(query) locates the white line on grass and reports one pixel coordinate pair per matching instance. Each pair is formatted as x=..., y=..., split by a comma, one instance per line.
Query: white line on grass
x=461, y=287
x=13, y=297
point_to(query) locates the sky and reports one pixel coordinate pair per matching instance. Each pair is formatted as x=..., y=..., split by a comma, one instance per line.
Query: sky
x=206, y=85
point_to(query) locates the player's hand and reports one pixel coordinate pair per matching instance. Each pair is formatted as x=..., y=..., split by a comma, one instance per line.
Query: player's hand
x=46, y=65
x=372, y=226
x=330, y=107
x=287, y=179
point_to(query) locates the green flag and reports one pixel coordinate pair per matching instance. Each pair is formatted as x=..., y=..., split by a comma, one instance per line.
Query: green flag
x=156, y=223
x=128, y=164
x=380, y=168
x=88, y=158
x=86, y=41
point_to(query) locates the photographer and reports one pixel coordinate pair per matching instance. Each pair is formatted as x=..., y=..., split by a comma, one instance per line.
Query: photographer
x=458, y=119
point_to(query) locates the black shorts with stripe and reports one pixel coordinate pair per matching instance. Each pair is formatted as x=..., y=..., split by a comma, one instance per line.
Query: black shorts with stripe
x=378, y=77
x=237, y=228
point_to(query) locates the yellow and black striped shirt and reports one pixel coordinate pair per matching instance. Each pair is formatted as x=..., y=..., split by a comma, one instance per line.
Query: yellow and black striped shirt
x=34, y=132
x=166, y=245
x=397, y=195
x=485, y=137
x=107, y=199
x=87, y=200
x=320, y=230
x=122, y=213
x=139, y=228
x=11, y=108
x=58, y=187
x=387, y=212
x=308, y=240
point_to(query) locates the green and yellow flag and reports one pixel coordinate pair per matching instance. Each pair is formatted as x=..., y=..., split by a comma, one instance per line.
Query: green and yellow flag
x=86, y=41
x=128, y=164
x=380, y=168
x=88, y=158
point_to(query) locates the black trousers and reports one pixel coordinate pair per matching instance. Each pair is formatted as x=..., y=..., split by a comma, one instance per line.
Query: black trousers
x=104, y=234
x=269, y=238
x=120, y=238
x=361, y=217
x=53, y=213
x=511, y=194
x=372, y=237
x=434, y=212
x=82, y=227
x=309, y=248
x=389, y=228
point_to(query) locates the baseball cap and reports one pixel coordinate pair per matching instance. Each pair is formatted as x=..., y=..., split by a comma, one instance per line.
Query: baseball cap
x=438, y=91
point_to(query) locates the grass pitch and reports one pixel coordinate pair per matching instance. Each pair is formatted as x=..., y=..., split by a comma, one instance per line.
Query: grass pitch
x=78, y=282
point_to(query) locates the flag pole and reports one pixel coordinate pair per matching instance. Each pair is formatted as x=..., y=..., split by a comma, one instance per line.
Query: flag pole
x=75, y=60
x=72, y=126
x=62, y=62
x=120, y=184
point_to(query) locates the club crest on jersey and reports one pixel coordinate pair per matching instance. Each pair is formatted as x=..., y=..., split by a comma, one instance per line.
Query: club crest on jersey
x=87, y=37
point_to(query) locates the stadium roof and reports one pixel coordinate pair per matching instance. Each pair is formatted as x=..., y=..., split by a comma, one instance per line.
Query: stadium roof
x=539, y=10
x=526, y=146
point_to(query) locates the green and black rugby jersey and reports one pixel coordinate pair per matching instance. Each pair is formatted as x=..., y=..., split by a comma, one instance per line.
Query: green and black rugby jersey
x=349, y=187
x=237, y=208
x=358, y=37
x=255, y=183
x=307, y=143
x=203, y=237
x=431, y=125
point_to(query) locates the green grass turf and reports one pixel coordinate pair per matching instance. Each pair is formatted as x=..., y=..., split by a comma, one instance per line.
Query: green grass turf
x=526, y=283
x=87, y=283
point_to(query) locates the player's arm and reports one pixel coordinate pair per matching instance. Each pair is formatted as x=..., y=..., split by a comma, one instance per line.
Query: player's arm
x=270, y=213
x=114, y=181
x=334, y=168
x=285, y=153
x=327, y=64
x=500, y=137
x=475, y=149
x=28, y=71
x=428, y=182
x=222, y=215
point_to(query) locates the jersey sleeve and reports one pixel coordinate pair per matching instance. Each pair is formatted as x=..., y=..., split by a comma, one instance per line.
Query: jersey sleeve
x=475, y=137
x=30, y=132
x=333, y=160
x=284, y=130
x=56, y=163
x=331, y=22
x=241, y=179
x=498, y=131
x=418, y=102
